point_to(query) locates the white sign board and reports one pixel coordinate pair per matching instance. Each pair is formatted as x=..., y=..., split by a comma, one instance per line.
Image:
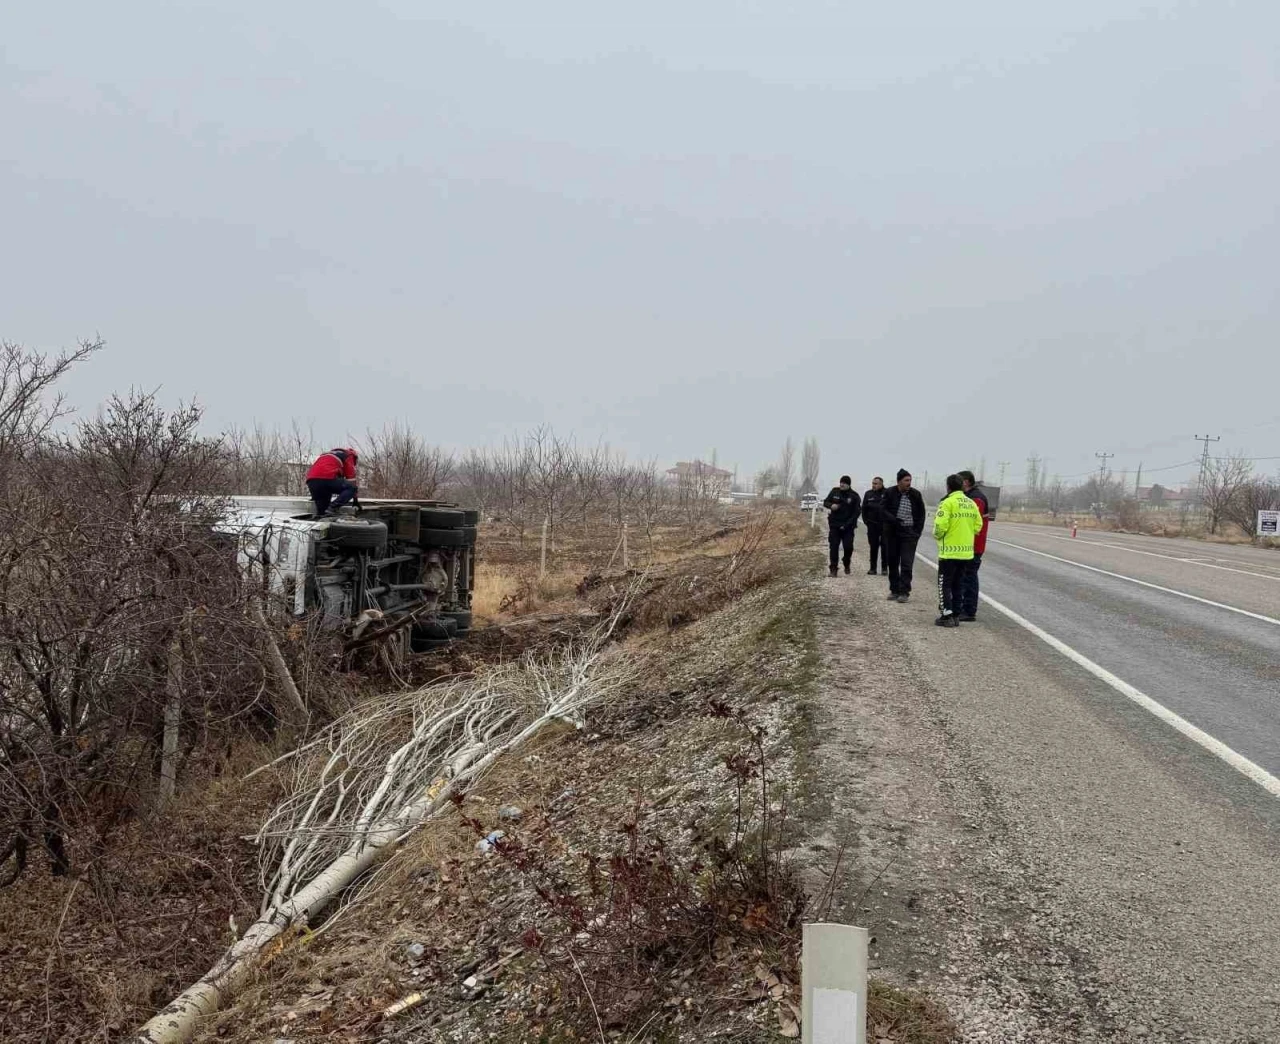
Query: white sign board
x=1269, y=523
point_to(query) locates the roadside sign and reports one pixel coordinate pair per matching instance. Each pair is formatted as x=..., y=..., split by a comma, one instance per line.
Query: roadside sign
x=1269, y=523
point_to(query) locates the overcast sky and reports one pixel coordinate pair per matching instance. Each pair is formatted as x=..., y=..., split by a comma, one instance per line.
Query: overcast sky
x=926, y=233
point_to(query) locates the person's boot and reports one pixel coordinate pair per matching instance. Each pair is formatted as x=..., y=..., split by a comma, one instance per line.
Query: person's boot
x=968, y=617
x=904, y=597
x=947, y=620
x=833, y=571
x=846, y=569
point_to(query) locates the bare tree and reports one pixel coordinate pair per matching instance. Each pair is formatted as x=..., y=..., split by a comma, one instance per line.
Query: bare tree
x=1055, y=496
x=399, y=463
x=1223, y=480
x=110, y=572
x=27, y=411
x=810, y=465
x=786, y=468
x=1260, y=494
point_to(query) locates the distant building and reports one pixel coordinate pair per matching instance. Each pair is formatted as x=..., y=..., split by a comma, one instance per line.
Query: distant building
x=700, y=476
x=1160, y=498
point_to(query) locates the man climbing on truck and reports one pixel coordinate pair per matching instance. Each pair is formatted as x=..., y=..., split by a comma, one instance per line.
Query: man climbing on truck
x=331, y=481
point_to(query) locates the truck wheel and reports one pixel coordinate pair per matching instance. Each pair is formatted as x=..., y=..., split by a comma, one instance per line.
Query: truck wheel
x=432, y=633
x=441, y=518
x=462, y=618
x=442, y=537
x=469, y=534
x=356, y=534
x=470, y=517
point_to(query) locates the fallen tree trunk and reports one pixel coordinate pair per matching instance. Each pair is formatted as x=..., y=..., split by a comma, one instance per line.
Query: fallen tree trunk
x=376, y=787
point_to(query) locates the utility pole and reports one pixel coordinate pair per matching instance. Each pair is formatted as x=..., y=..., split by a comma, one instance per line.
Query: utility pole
x=1033, y=475
x=1004, y=466
x=1204, y=463
x=1102, y=468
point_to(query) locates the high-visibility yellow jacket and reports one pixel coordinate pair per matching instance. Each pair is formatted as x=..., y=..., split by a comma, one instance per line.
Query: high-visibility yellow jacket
x=958, y=521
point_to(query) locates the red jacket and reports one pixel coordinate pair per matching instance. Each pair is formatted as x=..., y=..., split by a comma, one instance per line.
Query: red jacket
x=980, y=541
x=338, y=463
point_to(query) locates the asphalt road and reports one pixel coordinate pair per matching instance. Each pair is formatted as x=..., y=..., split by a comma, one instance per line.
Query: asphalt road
x=1063, y=864
x=1185, y=640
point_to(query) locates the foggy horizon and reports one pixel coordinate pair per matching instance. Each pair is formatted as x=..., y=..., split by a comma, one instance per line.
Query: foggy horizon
x=926, y=238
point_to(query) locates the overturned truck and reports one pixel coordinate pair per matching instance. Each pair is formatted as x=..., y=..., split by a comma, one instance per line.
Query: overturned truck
x=400, y=567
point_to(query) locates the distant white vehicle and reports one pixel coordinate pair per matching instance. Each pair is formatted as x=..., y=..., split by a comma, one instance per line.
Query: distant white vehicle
x=810, y=501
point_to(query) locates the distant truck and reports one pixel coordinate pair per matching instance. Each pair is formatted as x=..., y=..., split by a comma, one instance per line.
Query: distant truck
x=993, y=500
x=397, y=560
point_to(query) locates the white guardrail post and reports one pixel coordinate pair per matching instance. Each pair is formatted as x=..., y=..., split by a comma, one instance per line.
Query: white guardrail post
x=833, y=984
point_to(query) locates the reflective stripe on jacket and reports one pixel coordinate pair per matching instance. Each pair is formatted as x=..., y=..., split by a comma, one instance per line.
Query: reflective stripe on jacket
x=958, y=521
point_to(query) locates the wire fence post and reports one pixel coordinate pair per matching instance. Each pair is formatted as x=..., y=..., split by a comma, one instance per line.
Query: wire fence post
x=542, y=567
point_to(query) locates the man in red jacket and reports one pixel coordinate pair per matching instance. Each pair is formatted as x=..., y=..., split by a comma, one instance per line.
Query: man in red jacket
x=332, y=480
x=969, y=582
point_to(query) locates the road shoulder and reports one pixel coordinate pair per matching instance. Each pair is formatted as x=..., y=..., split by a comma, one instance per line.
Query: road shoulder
x=1053, y=866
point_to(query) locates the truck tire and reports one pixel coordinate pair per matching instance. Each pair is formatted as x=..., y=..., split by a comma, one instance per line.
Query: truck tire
x=441, y=518
x=432, y=633
x=469, y=534
x=442, y=537
x=462, y=619
x=356, y=534
x=470, y=517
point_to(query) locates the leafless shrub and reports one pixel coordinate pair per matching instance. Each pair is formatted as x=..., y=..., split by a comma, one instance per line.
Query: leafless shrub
x=1259, y=494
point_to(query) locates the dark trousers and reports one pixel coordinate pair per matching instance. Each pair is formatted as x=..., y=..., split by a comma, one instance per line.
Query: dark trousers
x=969, y=603
x=875, y=538
x=951, y=574
x=900, y=553
x=837, y=539
x=329, y=494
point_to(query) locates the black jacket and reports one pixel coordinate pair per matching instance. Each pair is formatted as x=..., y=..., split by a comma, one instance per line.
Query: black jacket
x=845, y=504
x=893, y=497
x=872, y=500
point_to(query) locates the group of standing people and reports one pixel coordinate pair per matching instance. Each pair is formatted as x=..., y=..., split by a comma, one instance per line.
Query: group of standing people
x=895, y=519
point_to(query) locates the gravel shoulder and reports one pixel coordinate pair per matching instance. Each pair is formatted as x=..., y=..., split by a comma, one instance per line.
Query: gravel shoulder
x=1054, y=865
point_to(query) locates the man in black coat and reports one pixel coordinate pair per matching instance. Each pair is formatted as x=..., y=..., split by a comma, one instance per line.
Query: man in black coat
x=873, y=516
x=903, y=509
x=843, y=505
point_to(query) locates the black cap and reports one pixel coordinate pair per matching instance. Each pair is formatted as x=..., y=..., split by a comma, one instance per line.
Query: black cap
x=903, y=473
x=846, y=478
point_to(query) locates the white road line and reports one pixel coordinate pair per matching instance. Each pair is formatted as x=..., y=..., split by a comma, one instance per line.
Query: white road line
x=1143, y=583
x=1156, y=554
x=1216, y=747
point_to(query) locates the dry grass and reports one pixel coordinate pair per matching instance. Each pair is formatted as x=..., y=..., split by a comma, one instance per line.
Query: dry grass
x=508, y=584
